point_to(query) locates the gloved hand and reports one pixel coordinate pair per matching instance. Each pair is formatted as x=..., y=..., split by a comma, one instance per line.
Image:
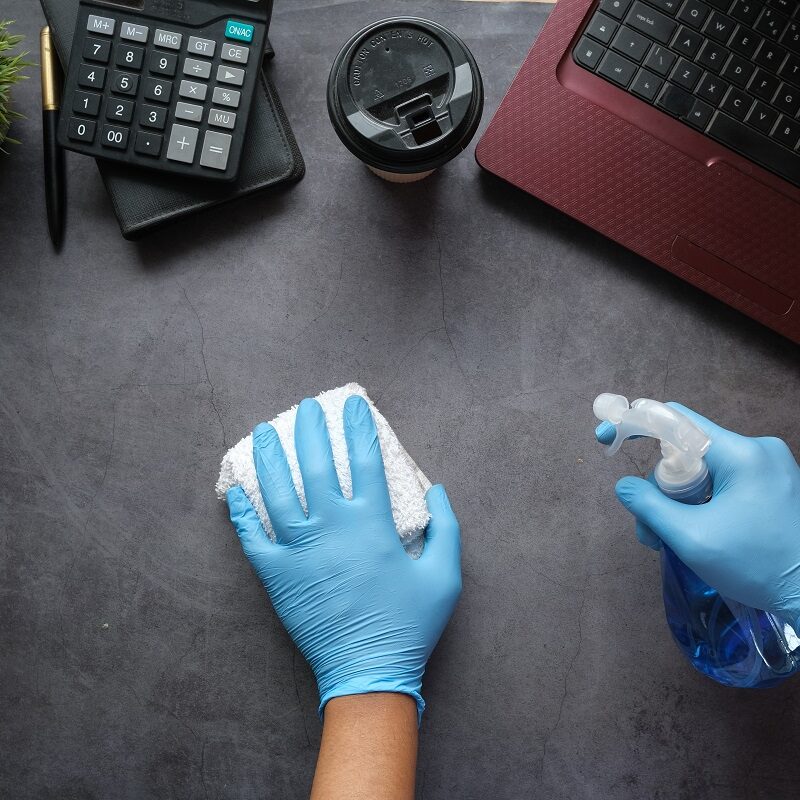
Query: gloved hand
x=363, y=613
x=745, y=542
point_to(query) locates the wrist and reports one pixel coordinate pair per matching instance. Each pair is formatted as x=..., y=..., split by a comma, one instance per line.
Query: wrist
x=370, y=683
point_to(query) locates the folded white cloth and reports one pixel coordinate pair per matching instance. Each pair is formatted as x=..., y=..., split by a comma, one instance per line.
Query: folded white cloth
x=407, y=483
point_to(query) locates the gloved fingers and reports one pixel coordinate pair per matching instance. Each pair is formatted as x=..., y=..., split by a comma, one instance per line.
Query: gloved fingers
x=443, y=534
x=605, y=433
x=646, y=536
x=315, y=456
x=364, y=450
x=275, y=481
x=252, y=536
x=723, y=450
x=668, y=519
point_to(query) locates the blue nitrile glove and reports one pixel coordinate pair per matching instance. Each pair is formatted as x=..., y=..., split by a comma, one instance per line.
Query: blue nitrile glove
x=745, y=542
x=364, y=614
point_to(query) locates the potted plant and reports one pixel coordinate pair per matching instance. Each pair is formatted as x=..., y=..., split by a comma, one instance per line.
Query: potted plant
x=11, y=67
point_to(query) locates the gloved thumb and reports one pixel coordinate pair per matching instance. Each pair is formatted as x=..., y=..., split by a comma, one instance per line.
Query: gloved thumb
x=667, y=518
x=443, y=534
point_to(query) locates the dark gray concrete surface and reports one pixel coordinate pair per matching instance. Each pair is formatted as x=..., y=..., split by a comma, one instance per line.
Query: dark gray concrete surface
x=139, y=657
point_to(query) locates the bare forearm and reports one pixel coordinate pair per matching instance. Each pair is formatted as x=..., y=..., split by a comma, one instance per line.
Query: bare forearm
x=369, y=748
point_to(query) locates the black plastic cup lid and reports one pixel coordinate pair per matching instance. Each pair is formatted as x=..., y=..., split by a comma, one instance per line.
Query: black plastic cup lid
x=405, y=95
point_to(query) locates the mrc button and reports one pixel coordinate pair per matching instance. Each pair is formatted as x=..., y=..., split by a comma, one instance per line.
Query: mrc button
x=240, y=31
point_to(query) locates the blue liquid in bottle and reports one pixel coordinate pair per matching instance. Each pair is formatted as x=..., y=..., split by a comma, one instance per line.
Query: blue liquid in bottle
x=731, y=643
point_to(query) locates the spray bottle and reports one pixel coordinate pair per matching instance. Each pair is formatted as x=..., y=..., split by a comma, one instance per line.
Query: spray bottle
x=731, y=643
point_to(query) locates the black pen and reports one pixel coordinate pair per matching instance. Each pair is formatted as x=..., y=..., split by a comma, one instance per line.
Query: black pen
x=53, y=154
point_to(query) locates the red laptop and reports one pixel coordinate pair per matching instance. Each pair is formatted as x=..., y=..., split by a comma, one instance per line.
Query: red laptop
x=673, y=127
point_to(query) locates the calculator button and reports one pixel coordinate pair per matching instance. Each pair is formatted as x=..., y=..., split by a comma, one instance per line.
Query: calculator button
x=163, y=63
x=221, y=119
x=148, y=144
x=197, y=69
x=119, y=110
x=202, y=47
x=133, y=32
x=153, y=117
x=114, y=137
x=168, y=39
x=129, y=57
x=91, y=77
x=81, y=130
x=232, y=75
x=101, y=25
x=123, y=83
x=157, y=90
x=193, y=90
x=182, y=143
x=235, y=52
x=226, y=97
x=240, y=31
x=97, y=50
x=216, y=149
x=189, y=111
x=86, y=103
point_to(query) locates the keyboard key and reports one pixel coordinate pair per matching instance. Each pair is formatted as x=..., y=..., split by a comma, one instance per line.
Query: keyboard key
x=762, y=117
x=686, y=74
x=660, y=60
x=226, y=97
x=133, y=32
x=115, y=137
x=719, y=27
x=163, y=63
x=791, y=36
x=675, y=100
x=653, y=23
x=586, y=52
x=202, y=47
x=790, y=70
x=745, y=42
x=667, y=6
x=770, y=55
x=216, y=148
x=123, y=83
x=787, y=132
x=694, y=13
x=182, y=143
x=97, y=50
x=102, y=25
x=196, y=68
x=91, y=77
x=153, y=117
x=240, y=54
x=787, y=99
x=193, y=90
x=189, y=111
x=646, y=85
x=755, y=146
x=630, y=43
x=700, y=114
x=168, y=39
x=119, y=110
x=616, y=8
x=232, y=75
x=687, y=42
x=129, y=57
x=738, y=70
x=737, y=103
x=771, y=23
x=720, y=5
x=617, y=69
x=219, y=118
x=158, y=90
x=86, y=103
x=148, y=144
x=764, y=85
x=745, y=11
x=602, y=28
x=786, y=6
x=81, y=130
x=711, y=88
x=713, y=56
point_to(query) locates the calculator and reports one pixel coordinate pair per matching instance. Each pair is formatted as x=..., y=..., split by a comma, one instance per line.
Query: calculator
x=164, y=84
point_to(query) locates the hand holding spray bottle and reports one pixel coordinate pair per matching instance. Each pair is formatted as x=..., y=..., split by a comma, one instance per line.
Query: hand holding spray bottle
x=745, y=539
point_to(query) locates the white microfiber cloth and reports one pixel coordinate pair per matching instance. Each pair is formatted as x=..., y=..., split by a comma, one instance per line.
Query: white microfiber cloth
x=407, y=483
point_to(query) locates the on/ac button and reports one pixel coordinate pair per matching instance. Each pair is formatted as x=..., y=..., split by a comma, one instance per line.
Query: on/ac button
x=240, y=31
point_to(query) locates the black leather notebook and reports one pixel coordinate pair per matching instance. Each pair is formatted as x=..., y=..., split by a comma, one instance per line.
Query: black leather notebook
x=145, y=199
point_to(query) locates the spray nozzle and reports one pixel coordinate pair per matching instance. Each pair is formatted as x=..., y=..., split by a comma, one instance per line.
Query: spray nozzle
x=683, y=444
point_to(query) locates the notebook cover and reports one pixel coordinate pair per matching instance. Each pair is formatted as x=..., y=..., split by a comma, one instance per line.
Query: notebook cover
x=145, y=199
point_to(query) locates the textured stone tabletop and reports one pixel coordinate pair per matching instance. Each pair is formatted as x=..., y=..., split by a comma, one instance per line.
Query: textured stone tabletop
x=139, y=656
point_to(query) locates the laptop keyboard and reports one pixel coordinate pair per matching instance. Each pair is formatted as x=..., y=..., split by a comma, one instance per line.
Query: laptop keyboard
x=728, y=68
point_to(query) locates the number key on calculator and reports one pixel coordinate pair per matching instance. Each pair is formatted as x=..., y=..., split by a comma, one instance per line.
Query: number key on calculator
x=156, y=91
